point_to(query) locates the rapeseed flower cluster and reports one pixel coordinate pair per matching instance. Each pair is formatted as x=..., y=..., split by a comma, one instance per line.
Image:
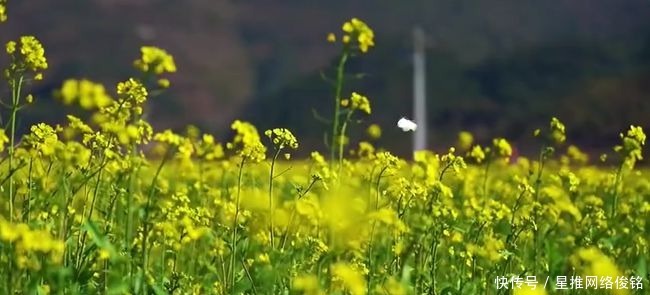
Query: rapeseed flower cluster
x=558, y=132
x=43, y=138
x=555, y=135
x=356, y=32
x=357, y=102
x=122, y=118
x=502, y=148
x=374, y=131
x=3, y=10
x=465, y=140
x=132, y=93
x=208, y=149
x=281, y=138
x=27, y=55
x=175, y=142
x=592, y=262
x=153, y=63
x=155, y=60
x=349, y=278
x=87, y=94
x=307, y=285
x=247, y=143
x=632, y=145
x=31, y=248
x=3, y=140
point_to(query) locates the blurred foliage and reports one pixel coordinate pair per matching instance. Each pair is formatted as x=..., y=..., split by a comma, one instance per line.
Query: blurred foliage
x=598, y=88
x=493, y=68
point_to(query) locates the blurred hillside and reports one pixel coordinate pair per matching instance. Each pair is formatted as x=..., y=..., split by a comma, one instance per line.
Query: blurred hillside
x=498, y=68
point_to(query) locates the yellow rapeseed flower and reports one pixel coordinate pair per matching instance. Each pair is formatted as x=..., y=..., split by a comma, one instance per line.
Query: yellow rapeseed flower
x=558, y=131
x=502, y=147
x=592, y=262
x=3, y=10
x=282, y=137
x=183, y=145
x=631, y=148
x=331, y=38
x=374, y=131
x=3, y=140
x=155, y=60
x=11, y=47
x=360, y=31
x=360, y=102
x=43, y=138
x=27, y=54
x=477, y=154
x=132, y=91
x=104, y=254
x=247, y=143
x=526, y=289
x=307, y=284
x=349, y=278
x=89, y=95
x=465, y=140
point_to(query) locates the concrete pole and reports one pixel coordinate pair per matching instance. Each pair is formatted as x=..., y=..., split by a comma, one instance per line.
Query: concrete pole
x=419, y=90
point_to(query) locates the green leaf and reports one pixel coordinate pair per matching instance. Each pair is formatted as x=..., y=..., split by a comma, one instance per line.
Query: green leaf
x=158, y=290
x=242, y=285
x=139, y=279
x=642, y=267
x=406, y=274
x=119, y=288
x=99, y=239
x=449, y=291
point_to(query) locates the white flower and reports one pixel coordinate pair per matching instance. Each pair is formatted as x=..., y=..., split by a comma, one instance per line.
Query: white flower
x=406, y=124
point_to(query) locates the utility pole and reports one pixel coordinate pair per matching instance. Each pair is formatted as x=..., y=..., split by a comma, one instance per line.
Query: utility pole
x=419, y=90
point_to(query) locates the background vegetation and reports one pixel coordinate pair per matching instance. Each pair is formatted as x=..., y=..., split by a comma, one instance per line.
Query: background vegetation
x=496, y=69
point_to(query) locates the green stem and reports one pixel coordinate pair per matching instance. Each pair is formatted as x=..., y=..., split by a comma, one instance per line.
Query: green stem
x=129, y=212
x=342, y=135
x=617, y=181
x=293, y=213
x=129, y=215
x=15, y=99
x=145, y=220
x=447, y=166
x=337, y=102
x=433, y=251
x=372, y=231
x=163, y=263
x=27, y=206
x=234, y=228
x=90, y=214
x=485, y=176
x=271, y=209
x=538, y=182
x=248, y=275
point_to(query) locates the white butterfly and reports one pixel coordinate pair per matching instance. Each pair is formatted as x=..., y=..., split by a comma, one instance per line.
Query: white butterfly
x=406, y=124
